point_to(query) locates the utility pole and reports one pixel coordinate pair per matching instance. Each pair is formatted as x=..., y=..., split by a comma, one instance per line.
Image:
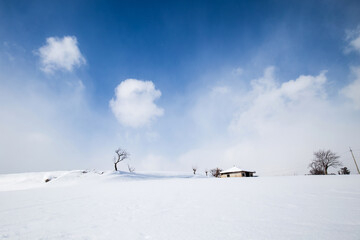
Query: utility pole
x=354, y=161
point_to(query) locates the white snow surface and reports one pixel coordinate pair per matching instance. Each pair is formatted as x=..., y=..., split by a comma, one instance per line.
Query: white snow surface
x=96, y=205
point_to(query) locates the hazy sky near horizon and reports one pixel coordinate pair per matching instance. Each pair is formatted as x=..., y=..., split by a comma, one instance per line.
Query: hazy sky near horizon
x=256, y=84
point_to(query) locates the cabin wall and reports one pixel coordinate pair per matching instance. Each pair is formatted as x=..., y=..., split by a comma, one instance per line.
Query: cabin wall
x=232, y=175
x=240, y=174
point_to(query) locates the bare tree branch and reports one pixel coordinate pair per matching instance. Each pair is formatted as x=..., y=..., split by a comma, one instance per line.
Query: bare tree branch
x=121, y=156
x=131, y=169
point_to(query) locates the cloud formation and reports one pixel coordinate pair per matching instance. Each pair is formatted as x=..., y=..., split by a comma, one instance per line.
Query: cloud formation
x=133, y=104
x=353, y=39
x=268, y=98
x=60, y=54
x=352, y=91
x=273, y=127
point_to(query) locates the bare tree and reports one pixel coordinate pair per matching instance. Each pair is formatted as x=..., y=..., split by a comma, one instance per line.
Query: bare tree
x=322, y=161
x=131, y=169
x=121, y=155
x=344, y=171
x=206, y=172
x=216, y=172
x=194, y=168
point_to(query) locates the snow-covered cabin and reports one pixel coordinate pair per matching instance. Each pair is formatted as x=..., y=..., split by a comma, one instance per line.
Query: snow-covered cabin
x=236, y=172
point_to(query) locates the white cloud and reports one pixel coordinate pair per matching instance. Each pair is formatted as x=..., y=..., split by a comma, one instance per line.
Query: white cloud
x=134, y=105
x=352, y=91
x=266, y=82
x=353, y=39
x=60, y=54
x=309, y=86
x=267, y=98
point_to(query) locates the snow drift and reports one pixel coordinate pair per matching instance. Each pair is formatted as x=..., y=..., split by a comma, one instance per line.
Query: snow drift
x=97, y=205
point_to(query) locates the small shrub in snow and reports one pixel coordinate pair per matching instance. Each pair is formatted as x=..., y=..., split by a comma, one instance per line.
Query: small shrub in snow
x=216, y=172
x=344, y=171
x=48, y=178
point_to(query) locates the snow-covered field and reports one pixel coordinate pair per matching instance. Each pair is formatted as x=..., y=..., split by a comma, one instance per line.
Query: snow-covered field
x=77, y=205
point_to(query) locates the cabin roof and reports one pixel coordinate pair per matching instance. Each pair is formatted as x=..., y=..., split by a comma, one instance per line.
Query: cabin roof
x=234, y=170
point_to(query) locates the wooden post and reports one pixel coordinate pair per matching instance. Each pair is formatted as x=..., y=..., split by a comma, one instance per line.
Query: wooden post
x=354, y=161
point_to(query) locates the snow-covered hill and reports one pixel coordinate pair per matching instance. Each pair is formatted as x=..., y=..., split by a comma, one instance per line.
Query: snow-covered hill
x=97, y=205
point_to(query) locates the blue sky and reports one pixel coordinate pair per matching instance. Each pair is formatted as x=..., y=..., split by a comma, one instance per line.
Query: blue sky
x=215, y=83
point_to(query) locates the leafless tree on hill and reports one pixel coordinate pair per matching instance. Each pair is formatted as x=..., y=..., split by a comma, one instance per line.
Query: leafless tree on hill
x=121, y=155
x=323, y=159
